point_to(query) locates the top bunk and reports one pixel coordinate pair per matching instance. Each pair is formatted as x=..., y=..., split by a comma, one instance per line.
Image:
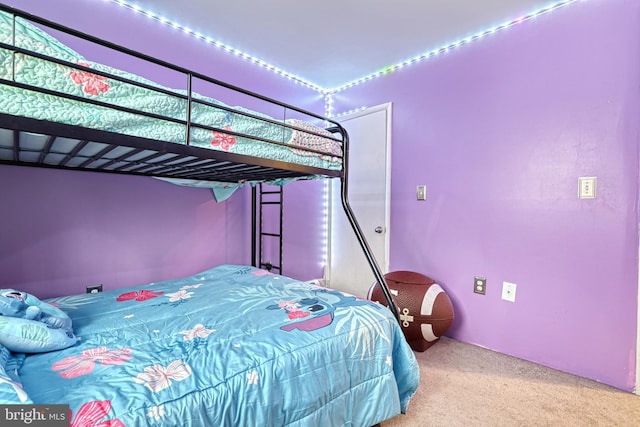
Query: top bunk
x=60, y=110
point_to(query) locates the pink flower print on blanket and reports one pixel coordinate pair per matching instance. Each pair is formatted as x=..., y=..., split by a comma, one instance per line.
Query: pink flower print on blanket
x=199, y=331
x=142, y=295
x=75, y=366
x=223, y=140
x=92, y=84
x=92, y=414
x=158, y=377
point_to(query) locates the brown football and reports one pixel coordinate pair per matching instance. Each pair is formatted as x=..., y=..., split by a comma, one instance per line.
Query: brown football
x=424, y=308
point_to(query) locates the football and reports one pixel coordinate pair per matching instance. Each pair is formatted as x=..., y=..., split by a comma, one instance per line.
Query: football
x=425, y=310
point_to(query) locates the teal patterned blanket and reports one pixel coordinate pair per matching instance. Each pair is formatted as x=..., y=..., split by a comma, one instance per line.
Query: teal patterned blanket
x=27, y=69
x=231, y=346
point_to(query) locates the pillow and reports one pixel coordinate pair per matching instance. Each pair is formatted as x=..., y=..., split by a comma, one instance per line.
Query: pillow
x=28, y=325
x=30, y=336
x=26, y=306
x=11, y=391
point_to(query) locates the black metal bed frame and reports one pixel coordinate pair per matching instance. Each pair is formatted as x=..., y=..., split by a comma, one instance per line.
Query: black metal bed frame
x=110, y=152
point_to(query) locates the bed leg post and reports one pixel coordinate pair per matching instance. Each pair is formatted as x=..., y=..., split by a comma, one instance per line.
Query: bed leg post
x=377, y=272
x=253, y=226
x=375, y=267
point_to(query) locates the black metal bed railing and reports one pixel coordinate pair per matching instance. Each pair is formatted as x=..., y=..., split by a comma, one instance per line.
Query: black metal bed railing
x=189, y=97
x=362, y=240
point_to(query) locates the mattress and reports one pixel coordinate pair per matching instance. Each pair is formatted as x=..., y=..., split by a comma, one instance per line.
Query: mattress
x=213, y=124
x=231, y=346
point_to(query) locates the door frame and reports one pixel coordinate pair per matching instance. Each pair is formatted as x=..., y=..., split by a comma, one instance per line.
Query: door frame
x=637, y=388
x=384, y=264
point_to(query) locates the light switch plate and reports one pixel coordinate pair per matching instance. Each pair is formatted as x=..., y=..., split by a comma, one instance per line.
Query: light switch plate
x=421, y=192
x=509, y=291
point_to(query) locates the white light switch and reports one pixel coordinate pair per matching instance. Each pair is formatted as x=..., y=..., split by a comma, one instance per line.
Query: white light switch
x=587, y=187
x=509, y=291
x=421, y=192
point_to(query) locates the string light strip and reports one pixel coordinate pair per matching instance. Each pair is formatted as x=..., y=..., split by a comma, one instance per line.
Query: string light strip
x=220, y=45
x=328, y=108
x=328, y=104
x=346, y=113
x=444, y=49
x=324, y=256
x=328, y=92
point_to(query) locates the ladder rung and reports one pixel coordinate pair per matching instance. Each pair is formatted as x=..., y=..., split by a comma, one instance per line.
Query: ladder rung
x=269, y=197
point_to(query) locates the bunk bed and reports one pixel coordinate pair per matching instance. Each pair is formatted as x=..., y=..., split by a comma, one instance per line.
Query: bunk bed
x=233, y=345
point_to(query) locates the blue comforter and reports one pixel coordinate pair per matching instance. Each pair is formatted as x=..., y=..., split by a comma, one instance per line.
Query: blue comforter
x=232, y=346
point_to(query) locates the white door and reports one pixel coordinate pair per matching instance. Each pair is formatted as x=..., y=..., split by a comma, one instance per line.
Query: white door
x=369, y=183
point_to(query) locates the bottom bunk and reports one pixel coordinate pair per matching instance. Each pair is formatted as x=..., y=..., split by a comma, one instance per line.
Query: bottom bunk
x=233, y=345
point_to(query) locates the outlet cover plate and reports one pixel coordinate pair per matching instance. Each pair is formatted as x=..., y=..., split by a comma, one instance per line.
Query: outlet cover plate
x=480, y=285
x=587, y=187
x=509, y=291
x=94, y=289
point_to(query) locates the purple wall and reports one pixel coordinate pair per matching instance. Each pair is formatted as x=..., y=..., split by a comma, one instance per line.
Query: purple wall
x=304, y=232
x=63, y=230
x=500, y=130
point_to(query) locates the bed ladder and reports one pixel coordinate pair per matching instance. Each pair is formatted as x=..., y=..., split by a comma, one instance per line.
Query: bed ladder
x=266, y=197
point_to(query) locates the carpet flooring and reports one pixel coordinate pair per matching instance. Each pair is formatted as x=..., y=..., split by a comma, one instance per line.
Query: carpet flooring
x=466, y=385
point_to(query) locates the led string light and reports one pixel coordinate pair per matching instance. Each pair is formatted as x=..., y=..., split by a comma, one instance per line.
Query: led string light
x=346, y=113
x=328, y=108
x=324, y=255
x=328, y=93
x=328, y=104
x=220, y=45
x=444, y=49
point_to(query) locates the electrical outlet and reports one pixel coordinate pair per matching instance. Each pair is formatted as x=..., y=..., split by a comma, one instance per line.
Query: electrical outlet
x=509, y=291
x=480, y=285
x=94, y=289
x=587, y=187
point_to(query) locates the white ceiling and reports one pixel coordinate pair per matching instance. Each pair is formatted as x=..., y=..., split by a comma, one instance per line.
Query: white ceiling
x=333, y=42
